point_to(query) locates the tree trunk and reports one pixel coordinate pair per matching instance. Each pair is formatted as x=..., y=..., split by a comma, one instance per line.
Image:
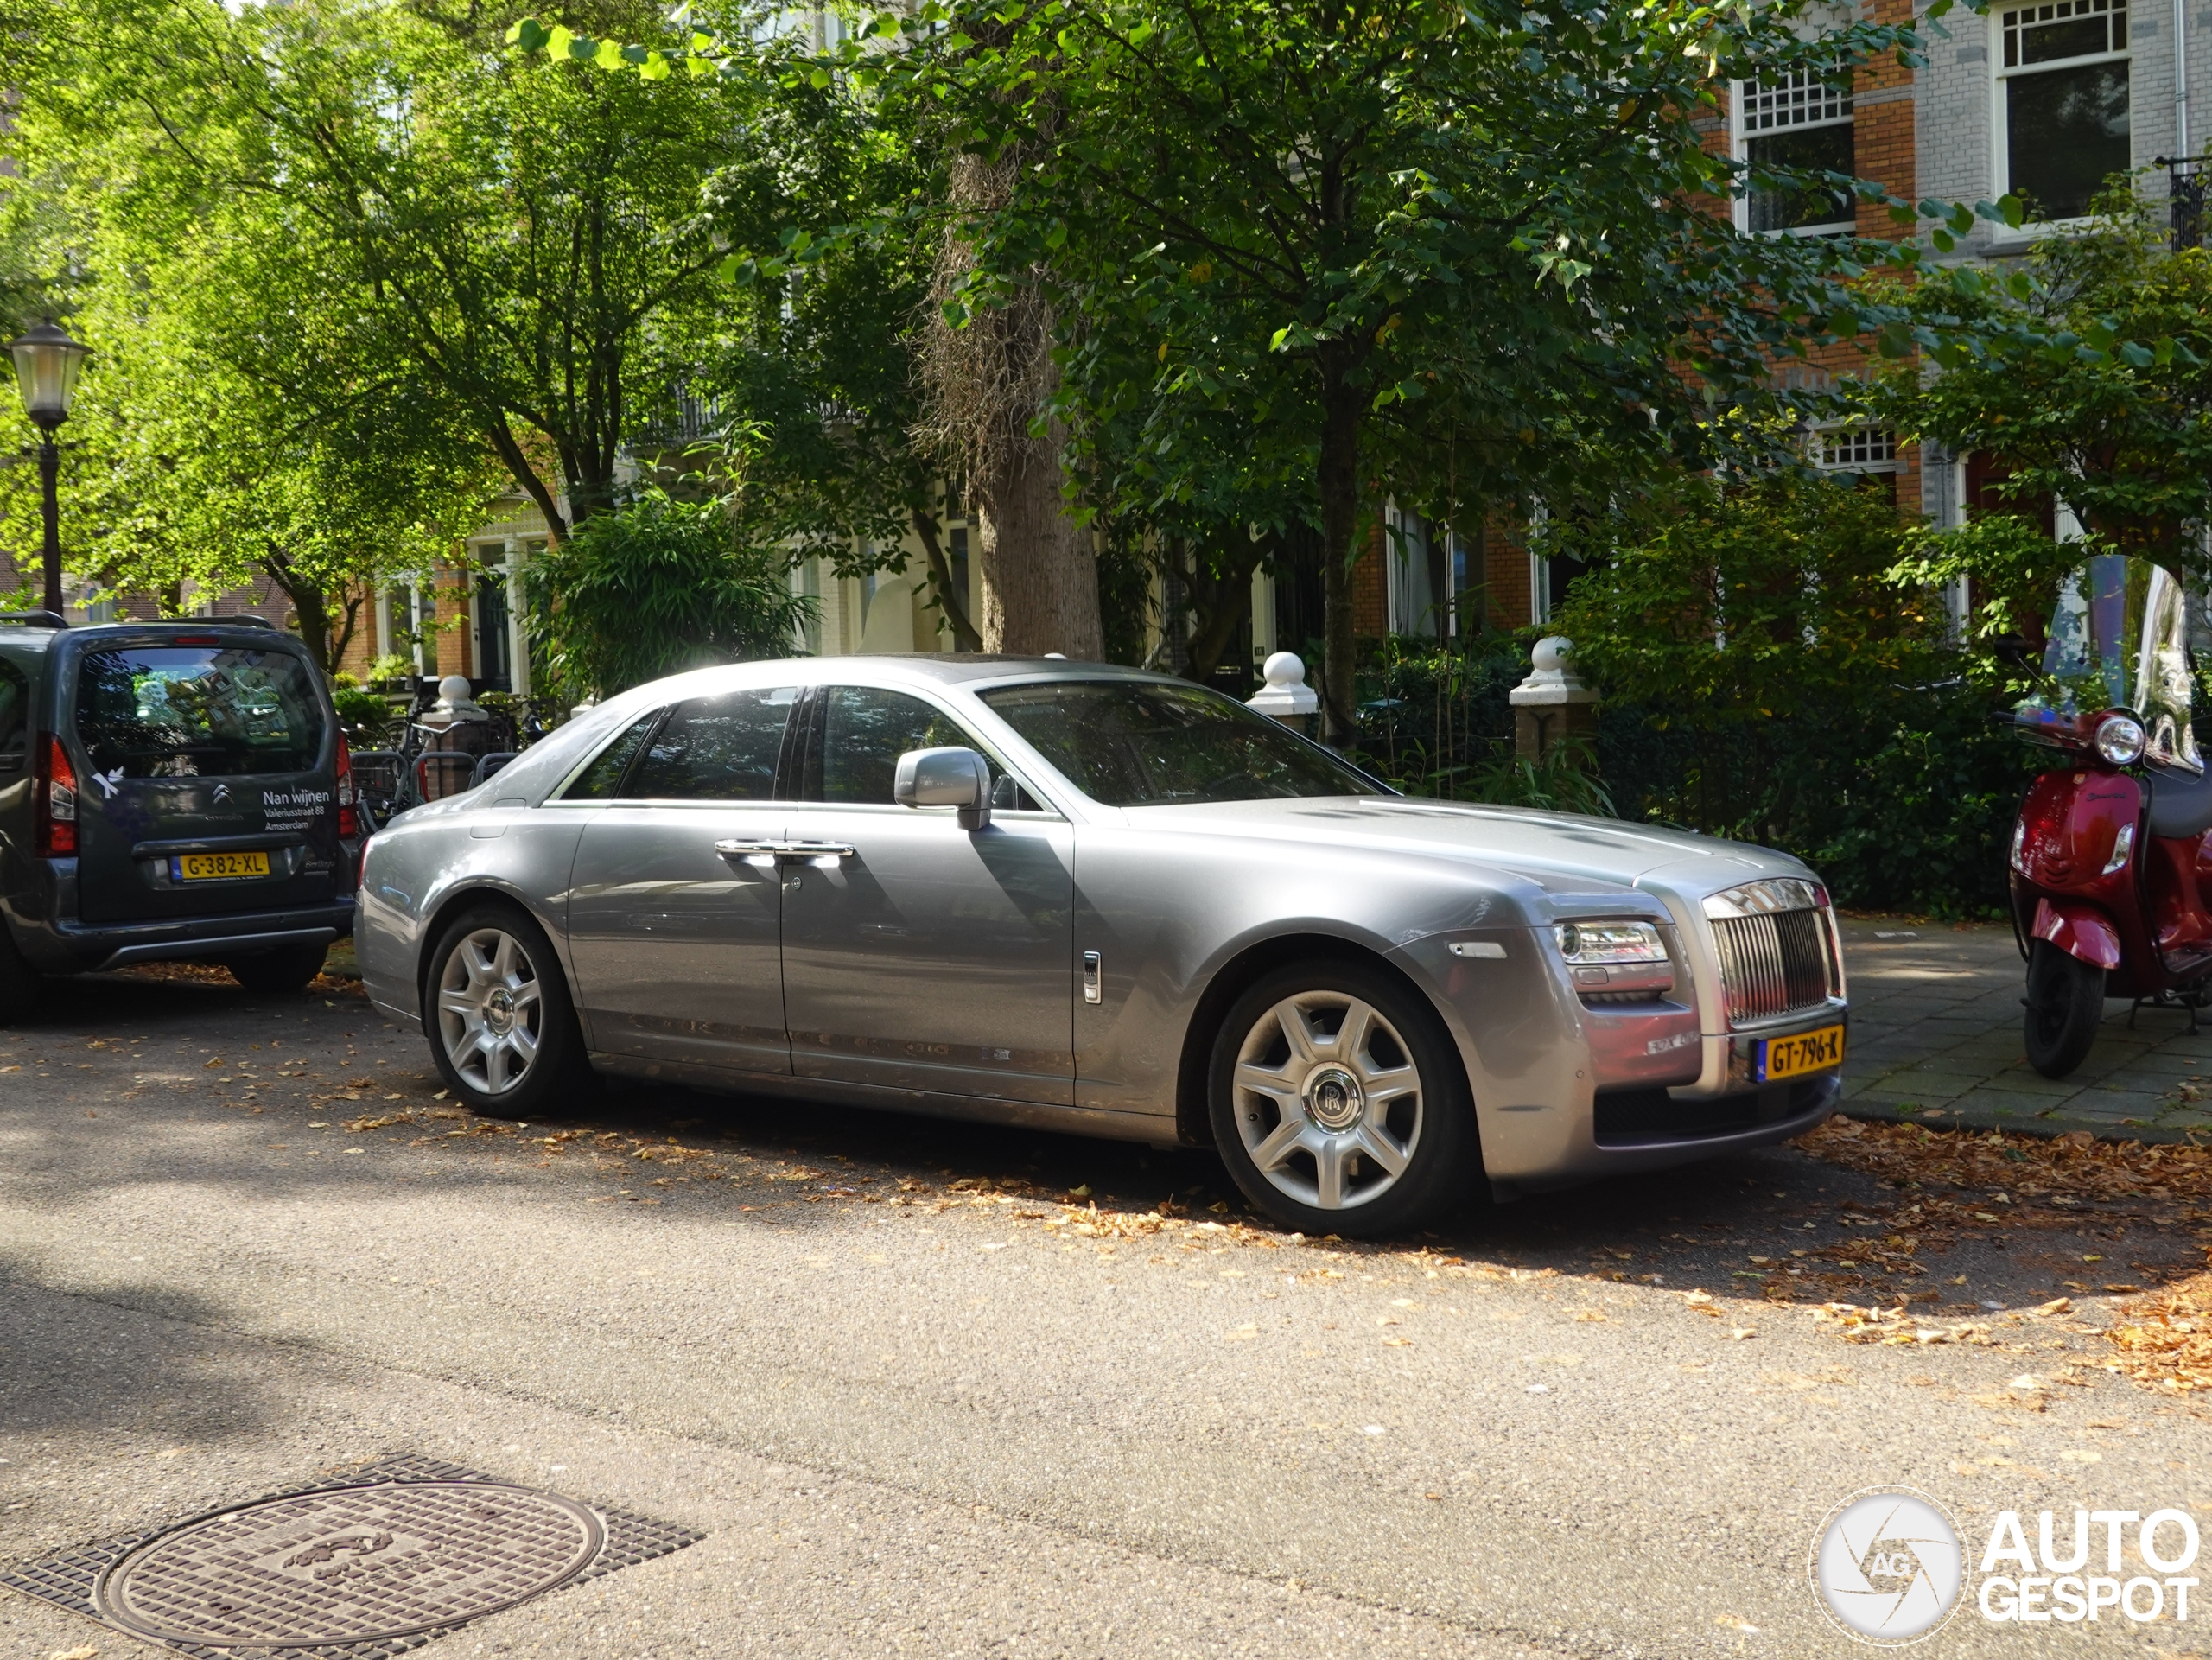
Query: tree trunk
x=1340, y=481
x=985, y=383
x=1040, y=574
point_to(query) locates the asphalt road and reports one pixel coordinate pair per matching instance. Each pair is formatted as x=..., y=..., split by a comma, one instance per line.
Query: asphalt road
x=922, y=1399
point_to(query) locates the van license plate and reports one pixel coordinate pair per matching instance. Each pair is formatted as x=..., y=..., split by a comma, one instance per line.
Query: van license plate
x=218, y=867
x=1792, y=1057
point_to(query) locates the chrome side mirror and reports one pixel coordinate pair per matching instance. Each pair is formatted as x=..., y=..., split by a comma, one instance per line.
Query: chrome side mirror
x=946, y=778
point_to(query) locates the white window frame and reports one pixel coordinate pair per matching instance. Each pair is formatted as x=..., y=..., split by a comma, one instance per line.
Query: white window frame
x=1855, y=449
x=2000, y=149
x=1833, y=109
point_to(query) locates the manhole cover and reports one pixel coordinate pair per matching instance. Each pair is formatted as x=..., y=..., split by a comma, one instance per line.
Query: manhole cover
x=344, y=1565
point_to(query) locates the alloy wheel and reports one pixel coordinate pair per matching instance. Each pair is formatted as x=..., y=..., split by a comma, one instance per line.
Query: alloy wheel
x=1328, y=1100
x=490, y=1014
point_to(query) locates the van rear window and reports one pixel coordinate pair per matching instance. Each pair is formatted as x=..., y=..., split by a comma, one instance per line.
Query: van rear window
x=182, y=711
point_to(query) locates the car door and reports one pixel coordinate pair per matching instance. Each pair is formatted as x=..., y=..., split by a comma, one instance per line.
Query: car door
x=675, y=904
x=919, y=955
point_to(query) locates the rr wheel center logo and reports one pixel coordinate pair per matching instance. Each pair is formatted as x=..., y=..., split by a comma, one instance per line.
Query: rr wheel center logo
x=1887, y=1565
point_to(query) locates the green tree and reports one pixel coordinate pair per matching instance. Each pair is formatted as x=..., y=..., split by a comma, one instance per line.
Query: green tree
x=527, y=236
x=2085, y=374
x=234, y=423
x=1274, y=236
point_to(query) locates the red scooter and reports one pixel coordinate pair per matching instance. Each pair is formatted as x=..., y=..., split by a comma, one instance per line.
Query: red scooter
x=2110, y=860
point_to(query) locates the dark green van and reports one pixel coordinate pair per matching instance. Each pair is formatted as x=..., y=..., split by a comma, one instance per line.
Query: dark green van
x=168, y=791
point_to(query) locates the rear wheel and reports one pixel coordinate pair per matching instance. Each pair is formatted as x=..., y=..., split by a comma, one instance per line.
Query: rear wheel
x=2065, y=1005
x=499, y=1016
x=1339, y=1103
x=287, y=969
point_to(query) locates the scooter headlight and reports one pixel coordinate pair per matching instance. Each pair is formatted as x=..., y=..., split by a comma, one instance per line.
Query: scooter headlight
x=2120, y=739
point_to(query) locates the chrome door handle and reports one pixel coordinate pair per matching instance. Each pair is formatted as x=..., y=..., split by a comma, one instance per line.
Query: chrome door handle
x=786, y=849
x=819, y=850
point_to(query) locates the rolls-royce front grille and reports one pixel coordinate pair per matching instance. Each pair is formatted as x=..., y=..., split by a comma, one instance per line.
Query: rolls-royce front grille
x=1773, y=963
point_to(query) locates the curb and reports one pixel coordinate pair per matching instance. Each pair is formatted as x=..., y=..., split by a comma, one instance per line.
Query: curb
x=2045, y=1130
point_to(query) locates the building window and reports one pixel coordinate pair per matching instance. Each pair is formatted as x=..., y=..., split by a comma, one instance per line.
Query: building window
x=1796, y=121
x=1856, y=449
x=2063, y=100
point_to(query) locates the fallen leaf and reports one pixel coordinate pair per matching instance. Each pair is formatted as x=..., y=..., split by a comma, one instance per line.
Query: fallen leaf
x=1397, y=1343
x=2081, y=1455
x=1242, y=1334
x=1729, y=1622
x=2056, y=1306
x=1742, y=1332
x=85, y=1653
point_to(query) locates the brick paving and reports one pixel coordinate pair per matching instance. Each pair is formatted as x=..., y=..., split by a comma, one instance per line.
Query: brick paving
x=1936, y=1038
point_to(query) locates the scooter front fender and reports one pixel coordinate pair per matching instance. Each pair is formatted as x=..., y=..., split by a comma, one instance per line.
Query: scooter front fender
x=2078, y=930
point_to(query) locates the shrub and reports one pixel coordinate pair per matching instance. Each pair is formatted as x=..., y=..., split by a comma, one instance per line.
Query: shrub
x=653, y=587
x=1767, y=681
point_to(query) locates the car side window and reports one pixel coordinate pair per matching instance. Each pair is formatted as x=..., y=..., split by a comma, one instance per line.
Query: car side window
x=863, y=731
x=15, y=719
x=721, y=748
x=602, y=780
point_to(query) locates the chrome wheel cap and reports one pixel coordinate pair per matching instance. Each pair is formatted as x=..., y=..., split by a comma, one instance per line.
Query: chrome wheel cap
x=489, y=1012
x=1328, y=1100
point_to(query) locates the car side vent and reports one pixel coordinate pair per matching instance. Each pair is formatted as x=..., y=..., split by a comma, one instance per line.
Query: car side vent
x=1773, y=963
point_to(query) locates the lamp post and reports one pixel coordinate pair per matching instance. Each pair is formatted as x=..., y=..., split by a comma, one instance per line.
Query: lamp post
x=47, y=362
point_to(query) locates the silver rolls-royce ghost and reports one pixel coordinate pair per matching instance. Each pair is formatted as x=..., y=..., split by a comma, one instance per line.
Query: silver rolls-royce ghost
x=1087, y=898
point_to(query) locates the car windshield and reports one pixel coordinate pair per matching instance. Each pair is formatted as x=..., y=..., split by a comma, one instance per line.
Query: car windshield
x=1135, y=743
x=180, y=711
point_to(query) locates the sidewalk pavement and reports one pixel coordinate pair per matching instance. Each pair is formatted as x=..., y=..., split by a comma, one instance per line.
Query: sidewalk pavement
x=1936, y=1038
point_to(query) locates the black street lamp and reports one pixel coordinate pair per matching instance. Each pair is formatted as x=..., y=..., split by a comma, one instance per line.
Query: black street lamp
x=47, y=362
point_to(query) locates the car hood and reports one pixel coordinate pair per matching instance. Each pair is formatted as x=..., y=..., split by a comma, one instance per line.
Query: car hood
x=1557, y=851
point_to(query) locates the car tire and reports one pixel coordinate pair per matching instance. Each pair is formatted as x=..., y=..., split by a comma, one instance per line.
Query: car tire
x=1310, y=1130
x=287, y=969
x=501, y=1024
x=2065, y=1006
x=21, y=985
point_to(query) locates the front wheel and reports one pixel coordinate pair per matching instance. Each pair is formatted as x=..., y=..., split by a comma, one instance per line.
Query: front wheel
x=2065, y=1005
x=1339, y=1103
x=499, y=1020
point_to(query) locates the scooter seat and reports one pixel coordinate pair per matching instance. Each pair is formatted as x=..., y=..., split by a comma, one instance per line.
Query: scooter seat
x=2181, y=803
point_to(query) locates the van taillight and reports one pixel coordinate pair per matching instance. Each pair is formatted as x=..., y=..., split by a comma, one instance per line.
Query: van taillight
x=55, y=832
x=349, y=819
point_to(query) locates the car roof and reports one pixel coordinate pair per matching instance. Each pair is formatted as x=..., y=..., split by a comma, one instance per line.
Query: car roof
x=953, y=667
x=32, y=628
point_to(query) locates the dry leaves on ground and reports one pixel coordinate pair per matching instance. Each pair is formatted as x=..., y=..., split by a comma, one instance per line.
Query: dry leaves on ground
x=2024, y=1184
x=2165, y=1339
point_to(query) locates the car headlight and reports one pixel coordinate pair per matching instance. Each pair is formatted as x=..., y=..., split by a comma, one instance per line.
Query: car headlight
x=2120, y=739
x=1593, y=942
x=1615, y=961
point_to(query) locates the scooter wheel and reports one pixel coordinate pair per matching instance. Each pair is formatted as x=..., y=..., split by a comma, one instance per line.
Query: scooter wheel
x=2066, y=1003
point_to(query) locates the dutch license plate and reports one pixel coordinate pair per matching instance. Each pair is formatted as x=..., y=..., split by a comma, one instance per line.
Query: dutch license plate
x=218, y=867
x=1792, y=1057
